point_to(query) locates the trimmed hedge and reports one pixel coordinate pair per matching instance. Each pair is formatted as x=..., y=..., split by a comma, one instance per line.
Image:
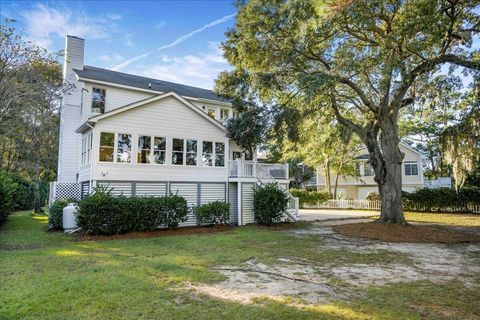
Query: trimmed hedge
x=269, y=204
x=309, y=198
x=7, y=199
x=216, y=212
x=441, y=199
x=23, y=194
x=101, y=213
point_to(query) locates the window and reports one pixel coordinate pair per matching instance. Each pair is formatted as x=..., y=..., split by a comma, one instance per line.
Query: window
x=368, y=170
x=411, y=168
x=98, y=100
x=144, y=149
x=236, y=155
x=358, y=173
x=191, y=159
x=219, y=154
x=224, y=114
x=86, y=149
x=211, y=112
x=177, y=152
x=107, y=146
x=207, y=154
x=236, y=113
x=124, y=148
x=159, y=150
x=248, y=155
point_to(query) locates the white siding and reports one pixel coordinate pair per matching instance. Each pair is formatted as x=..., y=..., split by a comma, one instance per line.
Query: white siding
x=190, y=192
x=210, y=192
x=118, y=188
x=166, y=118
x=233, y=200
x=247, y=203
x=150, y=189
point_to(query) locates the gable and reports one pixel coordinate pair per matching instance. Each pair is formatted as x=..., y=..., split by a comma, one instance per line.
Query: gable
x=166, y=116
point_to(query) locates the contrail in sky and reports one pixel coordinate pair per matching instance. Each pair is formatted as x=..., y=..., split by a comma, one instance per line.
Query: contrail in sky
x=174, y=43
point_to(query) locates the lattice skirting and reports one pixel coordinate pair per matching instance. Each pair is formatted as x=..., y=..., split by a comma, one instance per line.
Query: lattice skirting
x=64, y=190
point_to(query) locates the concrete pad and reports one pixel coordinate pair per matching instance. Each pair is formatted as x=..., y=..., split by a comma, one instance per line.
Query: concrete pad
x=326, y=214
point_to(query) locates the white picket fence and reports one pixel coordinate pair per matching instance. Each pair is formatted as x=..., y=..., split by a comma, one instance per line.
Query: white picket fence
x=347, y=204
x=375, y=205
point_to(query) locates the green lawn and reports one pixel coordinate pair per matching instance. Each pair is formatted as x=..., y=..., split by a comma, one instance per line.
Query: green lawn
x=50, y=276
x=462, y=220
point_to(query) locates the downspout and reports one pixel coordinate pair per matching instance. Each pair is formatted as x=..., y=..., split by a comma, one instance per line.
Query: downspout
x=91, y=160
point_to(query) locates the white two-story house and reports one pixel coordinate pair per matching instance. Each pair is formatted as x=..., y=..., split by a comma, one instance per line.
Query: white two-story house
x=360, y=185
x=148, y=137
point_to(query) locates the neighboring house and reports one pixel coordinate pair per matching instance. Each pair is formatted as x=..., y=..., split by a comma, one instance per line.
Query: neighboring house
x=360, y=185
x=147, y=137
x=442, y=182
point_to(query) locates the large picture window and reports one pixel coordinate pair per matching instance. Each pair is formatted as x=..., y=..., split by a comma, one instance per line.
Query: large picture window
x=144, y=149
x=107, y=146
x=124, y=148
x=159, y=150
x=191, y=158
x=98, y=100
x=177, y=151
x=219, y=154
x=411, y=168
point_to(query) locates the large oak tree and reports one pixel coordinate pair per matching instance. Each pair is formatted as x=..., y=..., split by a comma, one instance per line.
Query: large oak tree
x=362, y=59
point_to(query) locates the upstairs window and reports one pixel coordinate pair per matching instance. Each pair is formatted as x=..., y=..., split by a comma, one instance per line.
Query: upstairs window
x=159, y=150
x=357, y=169
x=107, y=146
x=212, y=112
x=177, y=151
x=191, y=159
x=411, y=168
x=124, y=148
x=368, y=170
x=98, y=100
x=144, y=149
x=224, y=114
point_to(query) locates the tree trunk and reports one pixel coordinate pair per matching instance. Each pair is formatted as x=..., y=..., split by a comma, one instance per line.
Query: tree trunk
x=37, y=205
x=389, y=176
x=386, y=160
x=328, y=183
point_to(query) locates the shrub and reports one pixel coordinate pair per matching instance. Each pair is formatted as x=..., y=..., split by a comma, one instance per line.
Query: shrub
x=55, y=213
x=309, y=198
x=216, y=212
x=24, y=194
x=373, y=196
x=174, y=210
x=101, y=213
x=269, y=204
x=441, y=199
x=7, y=203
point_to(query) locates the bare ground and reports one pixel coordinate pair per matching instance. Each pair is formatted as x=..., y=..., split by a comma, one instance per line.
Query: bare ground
x=305, y=282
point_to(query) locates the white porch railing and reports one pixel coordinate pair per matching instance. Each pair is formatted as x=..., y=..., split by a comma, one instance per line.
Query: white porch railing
x=250, y=169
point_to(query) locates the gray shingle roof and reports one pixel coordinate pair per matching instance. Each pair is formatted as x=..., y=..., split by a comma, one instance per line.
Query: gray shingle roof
x=105, y=75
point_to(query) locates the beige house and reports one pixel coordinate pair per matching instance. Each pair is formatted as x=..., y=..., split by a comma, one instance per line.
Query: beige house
x=360, y=185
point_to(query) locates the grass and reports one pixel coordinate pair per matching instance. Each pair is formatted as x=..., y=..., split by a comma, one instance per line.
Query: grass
x=463, y=220
x=48, y=275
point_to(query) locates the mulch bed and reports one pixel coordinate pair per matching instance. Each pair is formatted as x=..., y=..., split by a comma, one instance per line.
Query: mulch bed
x=410, y=233
x=158, y=233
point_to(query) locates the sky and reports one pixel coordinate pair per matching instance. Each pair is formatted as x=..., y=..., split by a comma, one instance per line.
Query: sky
x=169, y=40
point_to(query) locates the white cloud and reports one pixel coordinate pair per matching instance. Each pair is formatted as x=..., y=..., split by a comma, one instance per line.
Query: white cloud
x=110, y=58
x=196, y=70
x=127, y=40
x=175, y=42
x=43, y=22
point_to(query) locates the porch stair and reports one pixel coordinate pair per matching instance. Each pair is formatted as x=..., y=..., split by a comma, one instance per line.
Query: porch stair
x=264, y=177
